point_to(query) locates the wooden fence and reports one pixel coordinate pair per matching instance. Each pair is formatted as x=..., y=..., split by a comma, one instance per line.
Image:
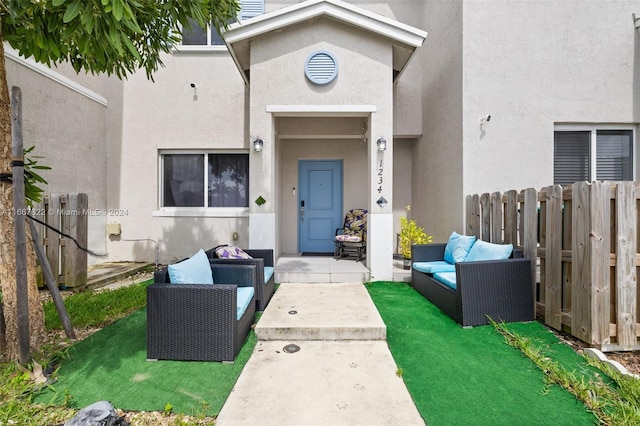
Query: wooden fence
x=584, y=242
x=67, y=213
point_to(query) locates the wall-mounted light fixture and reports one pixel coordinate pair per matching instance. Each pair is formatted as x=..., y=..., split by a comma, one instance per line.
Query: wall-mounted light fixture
x=195, y=91
x=485, y=119
x=257, y=145
x=382, y=144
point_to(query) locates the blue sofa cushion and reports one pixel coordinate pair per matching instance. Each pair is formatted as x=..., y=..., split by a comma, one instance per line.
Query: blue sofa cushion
x=458, y=247
x=268, y=273
x=194, y=270
x=245, y=294
x=434, y=266
x=483, y=250
x=446, y=278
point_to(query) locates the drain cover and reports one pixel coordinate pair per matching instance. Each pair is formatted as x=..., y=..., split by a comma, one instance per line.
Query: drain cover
x=291, y=349
x=293, y=312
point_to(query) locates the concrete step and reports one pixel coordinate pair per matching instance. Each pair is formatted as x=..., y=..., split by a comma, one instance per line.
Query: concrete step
x=328, y=311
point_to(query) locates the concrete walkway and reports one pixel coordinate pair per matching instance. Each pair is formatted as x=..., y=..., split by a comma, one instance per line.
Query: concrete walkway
x=321, y=358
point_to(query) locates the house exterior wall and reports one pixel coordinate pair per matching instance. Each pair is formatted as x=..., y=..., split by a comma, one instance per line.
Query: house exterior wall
x=528, y=64
x=170, y=114
x=68, y=129
x=277, y=78
x=575, y=65
x=438, y=168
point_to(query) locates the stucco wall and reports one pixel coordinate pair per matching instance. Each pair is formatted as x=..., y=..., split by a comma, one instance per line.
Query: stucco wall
x=68, y=129
x=354, y=157
x=536, y=64
x=170, y=114
x=438, y=157
x=277, y=78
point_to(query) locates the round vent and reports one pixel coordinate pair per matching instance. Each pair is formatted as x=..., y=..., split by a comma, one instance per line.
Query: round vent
x=321, y=67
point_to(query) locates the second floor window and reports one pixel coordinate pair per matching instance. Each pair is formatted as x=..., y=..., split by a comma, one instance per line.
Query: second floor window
x=195, y=35
x=592, y=154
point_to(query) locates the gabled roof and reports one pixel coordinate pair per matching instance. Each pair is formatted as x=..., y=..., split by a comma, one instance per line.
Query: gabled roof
x=404, y=38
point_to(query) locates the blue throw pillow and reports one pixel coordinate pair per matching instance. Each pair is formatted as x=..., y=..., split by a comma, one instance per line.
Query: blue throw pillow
x=195, y=270
x=458, y=247
x=483, y=250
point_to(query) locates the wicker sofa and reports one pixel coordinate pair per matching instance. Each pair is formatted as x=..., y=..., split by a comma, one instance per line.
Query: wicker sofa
x=198, y=322
x=499, y=289
x=262, y=259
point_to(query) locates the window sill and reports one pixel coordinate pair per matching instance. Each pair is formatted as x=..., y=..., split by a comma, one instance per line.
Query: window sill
x=201, y=49
x=201, y=212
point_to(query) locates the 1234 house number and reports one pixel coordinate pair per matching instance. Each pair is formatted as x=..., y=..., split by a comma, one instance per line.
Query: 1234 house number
x=380, y=178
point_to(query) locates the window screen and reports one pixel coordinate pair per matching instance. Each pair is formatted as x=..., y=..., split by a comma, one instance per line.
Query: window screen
x=614, y=155
x=571, y=157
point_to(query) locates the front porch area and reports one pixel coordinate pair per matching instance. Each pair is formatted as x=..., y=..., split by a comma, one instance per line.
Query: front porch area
x=302, y=269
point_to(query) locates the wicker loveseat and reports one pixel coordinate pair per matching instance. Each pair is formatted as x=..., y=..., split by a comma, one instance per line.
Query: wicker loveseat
x=199, y=322
x=499, y=289
x=262, y=259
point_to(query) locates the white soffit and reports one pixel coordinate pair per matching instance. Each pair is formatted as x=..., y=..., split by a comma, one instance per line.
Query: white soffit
x=404, y=37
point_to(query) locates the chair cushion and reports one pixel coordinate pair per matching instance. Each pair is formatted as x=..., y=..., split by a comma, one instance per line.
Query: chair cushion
x=243, y=299
x=348, y=238
x=483, y=250
x=446, y=278
x=268, y=273
x=355, y=225
x=458, y=247
x=195, y=270
x=433, y=267
x=231, y=252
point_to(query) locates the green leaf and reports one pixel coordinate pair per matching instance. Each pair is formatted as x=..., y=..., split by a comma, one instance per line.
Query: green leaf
x=118, y=9
x=132, y=48
x=72, y=11
x=57, y=3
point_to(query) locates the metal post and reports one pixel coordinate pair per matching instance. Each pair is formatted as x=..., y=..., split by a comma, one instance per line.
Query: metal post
x=17, y=163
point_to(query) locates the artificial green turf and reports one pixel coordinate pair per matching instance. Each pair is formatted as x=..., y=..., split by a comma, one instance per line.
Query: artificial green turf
x=112, y=365
x=462, y=376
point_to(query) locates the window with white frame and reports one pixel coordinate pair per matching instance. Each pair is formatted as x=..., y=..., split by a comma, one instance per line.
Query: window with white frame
x=583, y=153
x=195, y=35
x=204, y=179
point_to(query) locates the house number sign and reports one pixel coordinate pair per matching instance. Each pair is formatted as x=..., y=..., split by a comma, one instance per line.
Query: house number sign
x=380, y=178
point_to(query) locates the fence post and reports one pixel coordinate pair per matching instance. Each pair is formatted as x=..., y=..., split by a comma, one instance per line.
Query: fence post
x=600, y=242
x=580, y=265
x=485, y=204
x=627, y=233
x=529, y=223
x=496, y=218
x=75, y=225
x=511, y=218
x=553, y=264
x=473, y=215
x=53, y=206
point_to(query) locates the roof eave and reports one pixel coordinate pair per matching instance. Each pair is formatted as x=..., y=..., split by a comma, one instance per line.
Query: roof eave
x=398, y=32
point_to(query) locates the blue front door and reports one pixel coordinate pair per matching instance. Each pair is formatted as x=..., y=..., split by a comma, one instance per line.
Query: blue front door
x=319, y=204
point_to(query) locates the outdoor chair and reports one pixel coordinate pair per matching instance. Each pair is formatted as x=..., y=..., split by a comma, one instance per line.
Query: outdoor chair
x=200, y=322
x=471, y=292
x=262, y=259
x=351, y=239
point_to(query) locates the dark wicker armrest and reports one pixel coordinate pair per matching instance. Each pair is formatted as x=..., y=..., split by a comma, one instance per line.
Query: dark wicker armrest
x=427, y=252
x=500, y=289
x=240, y=275
x=264, y=254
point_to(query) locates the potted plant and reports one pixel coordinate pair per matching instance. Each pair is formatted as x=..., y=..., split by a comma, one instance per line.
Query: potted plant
x=410, y=233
